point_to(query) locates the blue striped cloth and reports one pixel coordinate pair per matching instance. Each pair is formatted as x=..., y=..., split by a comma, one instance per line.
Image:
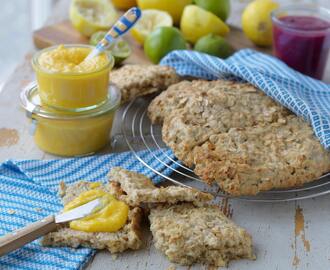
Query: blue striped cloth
x=305, y=96
x=28, y=192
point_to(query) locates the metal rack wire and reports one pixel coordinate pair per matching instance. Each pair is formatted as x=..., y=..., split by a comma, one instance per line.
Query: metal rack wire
x=140, y=134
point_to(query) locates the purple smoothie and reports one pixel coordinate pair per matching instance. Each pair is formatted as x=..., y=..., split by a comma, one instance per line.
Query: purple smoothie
x=303, y=43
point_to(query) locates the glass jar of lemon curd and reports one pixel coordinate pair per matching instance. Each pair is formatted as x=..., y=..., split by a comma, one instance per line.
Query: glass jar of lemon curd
x=70, y=133
x=66, y=81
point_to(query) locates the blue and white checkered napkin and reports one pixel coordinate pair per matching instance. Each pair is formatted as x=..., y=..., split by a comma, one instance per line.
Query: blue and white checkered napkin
x=28, y=192
x=306, y=97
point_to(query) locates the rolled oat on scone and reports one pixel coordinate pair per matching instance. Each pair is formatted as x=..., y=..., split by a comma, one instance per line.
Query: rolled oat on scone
x=213, y=108
x=198, y=94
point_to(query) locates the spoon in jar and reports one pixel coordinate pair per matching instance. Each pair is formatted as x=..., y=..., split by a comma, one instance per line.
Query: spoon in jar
x=122, y=26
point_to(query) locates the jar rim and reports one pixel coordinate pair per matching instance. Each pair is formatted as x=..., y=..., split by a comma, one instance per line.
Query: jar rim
x=30, y=101
x=36, y=65
x=300, y=8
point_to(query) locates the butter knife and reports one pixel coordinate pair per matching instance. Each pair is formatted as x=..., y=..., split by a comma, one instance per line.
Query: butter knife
x=19, y=238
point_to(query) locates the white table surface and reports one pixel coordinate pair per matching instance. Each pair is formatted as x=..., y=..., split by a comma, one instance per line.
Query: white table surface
x=293, y=235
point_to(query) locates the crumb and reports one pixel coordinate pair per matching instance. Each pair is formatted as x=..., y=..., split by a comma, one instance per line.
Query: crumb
x=114, y=257
x=38, y=209
x=11, y=212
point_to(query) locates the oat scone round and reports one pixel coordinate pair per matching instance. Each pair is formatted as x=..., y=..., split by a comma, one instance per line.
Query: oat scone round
x=213, y=109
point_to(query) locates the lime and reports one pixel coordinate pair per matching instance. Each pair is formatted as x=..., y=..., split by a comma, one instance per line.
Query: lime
x=197, y=22
x=163, y=40
x=89, y=16
x=214, y=45
x=221, y=8
x=120, y=49
x=150, y=20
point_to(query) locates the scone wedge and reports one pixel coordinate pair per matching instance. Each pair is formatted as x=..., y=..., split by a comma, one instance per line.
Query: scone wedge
x=138, y=80
x=183, y=225
x=188, y=234
x=128, y=237
x=136, y=189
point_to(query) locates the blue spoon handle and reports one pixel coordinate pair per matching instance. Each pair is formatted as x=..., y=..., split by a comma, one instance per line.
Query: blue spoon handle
x=122, y=26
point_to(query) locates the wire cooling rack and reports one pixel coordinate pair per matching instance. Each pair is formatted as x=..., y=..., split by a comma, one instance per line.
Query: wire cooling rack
x=140, y=134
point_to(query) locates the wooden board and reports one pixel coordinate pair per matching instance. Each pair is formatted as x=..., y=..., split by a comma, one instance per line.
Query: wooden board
x=64, y=33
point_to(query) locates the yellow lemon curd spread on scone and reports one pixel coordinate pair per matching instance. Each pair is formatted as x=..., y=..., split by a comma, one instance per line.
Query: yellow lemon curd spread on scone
x=110, y=218
x=67, y=81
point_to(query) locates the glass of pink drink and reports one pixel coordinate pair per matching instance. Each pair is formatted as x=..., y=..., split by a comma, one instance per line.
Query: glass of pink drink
x=301, y=38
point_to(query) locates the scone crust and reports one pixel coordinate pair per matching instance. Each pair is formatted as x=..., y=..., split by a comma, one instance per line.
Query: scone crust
x=139, y=80
x=187, y=234
x=129, y=237
x=254, y=159
x=135, y=189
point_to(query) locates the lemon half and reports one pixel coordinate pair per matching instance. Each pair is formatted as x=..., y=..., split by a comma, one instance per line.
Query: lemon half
x=150, y=20
x=257, y=23
x=197, y=22
x=90, y=16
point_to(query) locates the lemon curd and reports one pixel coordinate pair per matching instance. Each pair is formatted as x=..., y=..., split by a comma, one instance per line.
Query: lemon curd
x=110, y=218
x=67, y=133
x=62, y=59
x=67, y=81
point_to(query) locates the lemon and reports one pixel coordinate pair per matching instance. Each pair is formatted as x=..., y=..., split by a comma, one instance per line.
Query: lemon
x=257, y=23
x=221, y=8
x=150, y=20
x=214, y=45
x=163, y=40
x=89, y=16
x=124, y=4
x=197, y=22
x=120, y=49
x=173, y=7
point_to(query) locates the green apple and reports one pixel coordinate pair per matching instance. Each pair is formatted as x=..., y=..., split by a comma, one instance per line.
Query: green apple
x=221, y=8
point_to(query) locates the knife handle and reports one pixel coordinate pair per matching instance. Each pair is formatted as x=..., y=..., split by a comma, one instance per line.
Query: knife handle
x=19, y=238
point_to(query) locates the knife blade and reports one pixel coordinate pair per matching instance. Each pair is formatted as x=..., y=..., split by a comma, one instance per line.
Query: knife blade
x=78, y=212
